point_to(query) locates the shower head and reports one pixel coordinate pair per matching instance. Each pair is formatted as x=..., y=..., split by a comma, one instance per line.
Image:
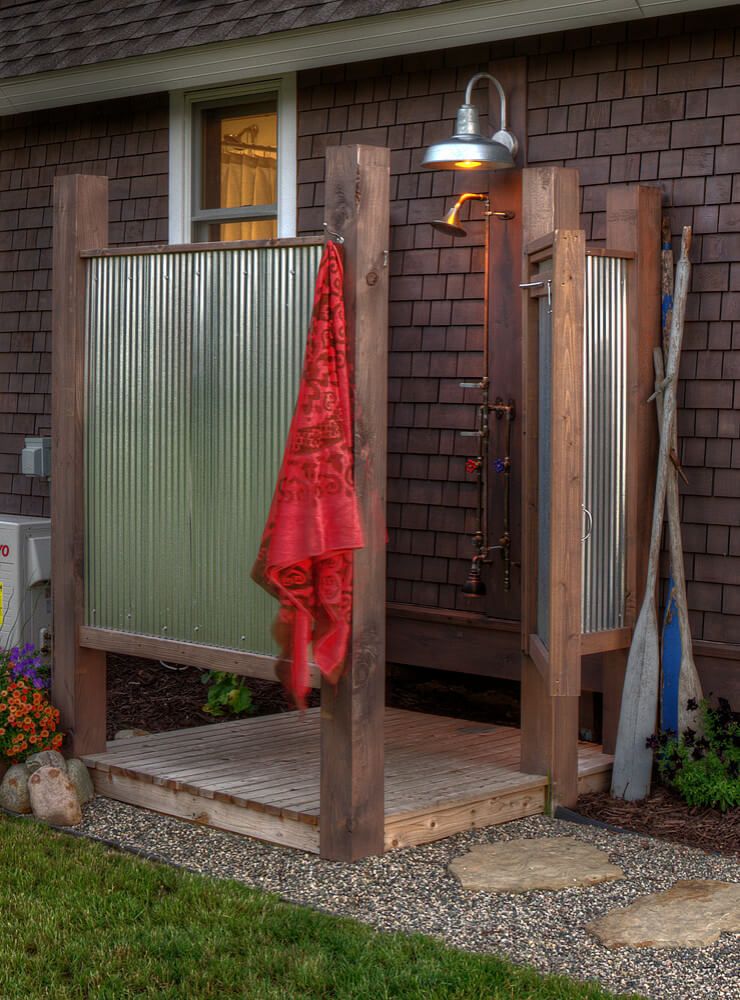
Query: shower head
x=450, y=225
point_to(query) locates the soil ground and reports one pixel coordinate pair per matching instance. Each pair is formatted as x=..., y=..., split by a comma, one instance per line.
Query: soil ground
x=143, y=694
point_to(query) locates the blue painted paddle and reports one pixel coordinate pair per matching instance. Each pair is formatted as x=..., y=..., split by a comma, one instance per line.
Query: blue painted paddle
x=671, y=639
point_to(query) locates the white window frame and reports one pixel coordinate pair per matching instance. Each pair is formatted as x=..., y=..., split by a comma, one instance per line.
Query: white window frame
x=183, y=106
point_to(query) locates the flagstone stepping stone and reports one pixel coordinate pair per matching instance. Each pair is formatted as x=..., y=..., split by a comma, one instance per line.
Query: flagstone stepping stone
x=692, y=914
x=127, y=734
x=524, y=865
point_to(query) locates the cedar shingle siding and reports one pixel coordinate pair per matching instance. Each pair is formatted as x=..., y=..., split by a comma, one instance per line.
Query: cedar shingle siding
x=654, y=101
x=127, y=140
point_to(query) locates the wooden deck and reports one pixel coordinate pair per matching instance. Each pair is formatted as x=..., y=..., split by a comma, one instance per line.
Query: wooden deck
x=260, y=777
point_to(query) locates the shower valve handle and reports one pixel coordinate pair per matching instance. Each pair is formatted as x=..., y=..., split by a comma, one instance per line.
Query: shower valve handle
x=472, y=434
x=473, y=385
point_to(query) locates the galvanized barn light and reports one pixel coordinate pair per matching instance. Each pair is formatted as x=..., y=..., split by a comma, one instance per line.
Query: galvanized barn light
x=469, y=149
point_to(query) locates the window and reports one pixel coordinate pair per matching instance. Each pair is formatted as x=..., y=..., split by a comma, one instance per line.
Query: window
x=233, y=163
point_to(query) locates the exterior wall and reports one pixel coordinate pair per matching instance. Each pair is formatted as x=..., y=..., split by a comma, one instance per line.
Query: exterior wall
x=127, y=140
x=652, y=101
x=655, y=102
x=663, y=108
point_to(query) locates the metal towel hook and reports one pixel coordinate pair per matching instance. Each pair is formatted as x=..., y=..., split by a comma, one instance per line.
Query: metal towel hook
x=330, y=235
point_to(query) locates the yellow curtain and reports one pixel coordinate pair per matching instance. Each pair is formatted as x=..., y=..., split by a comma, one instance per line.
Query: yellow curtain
x=248, y=179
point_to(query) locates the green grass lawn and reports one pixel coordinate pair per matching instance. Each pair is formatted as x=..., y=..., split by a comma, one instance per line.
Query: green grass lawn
x=80, y=921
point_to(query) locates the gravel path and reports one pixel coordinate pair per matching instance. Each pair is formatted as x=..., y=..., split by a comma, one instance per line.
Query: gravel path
x=410, y=890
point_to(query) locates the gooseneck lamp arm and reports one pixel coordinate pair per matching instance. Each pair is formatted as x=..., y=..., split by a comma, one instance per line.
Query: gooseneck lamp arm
x=487, y=76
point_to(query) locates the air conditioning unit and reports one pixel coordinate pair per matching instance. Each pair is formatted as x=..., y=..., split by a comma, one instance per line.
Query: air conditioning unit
x=25, y=575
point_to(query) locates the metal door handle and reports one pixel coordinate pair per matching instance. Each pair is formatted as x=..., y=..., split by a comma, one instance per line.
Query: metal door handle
x=590, y=522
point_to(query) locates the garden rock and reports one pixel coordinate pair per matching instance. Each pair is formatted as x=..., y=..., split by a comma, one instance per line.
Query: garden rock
x=127, y=734
x=79, y=775
x=523, y=865
x=45, y=758
x=691, y=914
x=14, y=789
x=54, y=797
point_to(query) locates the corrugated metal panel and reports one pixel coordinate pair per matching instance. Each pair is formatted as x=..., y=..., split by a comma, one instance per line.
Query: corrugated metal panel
x=605, y=428
x=193, y=366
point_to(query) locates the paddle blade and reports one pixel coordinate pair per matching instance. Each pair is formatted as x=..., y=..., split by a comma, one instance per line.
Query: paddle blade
x=671, y=662
x=633, y=759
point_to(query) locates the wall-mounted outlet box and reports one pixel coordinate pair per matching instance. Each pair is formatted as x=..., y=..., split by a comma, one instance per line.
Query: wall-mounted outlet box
x=36, y=457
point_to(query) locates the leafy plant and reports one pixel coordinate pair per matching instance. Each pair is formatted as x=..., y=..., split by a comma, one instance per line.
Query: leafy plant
x=227, y=693
x=703, y=766
x=28, y=721
x=24, y=662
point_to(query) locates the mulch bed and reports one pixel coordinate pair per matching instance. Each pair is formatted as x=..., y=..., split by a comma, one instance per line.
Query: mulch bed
x=145, y=695
x=665, y=814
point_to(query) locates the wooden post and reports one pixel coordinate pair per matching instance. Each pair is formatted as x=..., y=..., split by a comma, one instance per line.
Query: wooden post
x=633, y=217
x=78, y=674
x=549, y=695
x=352, y=816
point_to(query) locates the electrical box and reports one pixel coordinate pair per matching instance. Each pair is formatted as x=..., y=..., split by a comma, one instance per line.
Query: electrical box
x=25, y=581
x=36, y=457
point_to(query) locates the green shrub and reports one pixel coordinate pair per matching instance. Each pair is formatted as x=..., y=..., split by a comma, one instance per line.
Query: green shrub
x=227, y=693
x=704, y=766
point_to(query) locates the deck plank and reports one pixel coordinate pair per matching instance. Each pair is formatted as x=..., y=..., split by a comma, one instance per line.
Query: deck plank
x=261, y=776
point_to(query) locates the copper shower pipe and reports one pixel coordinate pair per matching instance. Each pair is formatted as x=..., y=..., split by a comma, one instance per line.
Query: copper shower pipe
x=474, y=586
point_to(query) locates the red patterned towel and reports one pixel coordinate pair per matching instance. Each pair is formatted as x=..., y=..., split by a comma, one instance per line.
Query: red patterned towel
x=305, y=559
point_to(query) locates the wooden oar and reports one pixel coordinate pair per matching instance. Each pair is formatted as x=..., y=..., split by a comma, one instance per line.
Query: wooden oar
x=687, y=683
x=670, y=643
x=633, y=759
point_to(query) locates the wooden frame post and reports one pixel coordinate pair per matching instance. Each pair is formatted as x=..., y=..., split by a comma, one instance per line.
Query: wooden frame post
x=633, y=223
x=550, y=687
x=352, y=815
x=78, y=673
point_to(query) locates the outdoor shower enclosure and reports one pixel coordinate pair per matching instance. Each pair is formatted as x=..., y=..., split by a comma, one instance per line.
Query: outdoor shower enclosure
x=156, y=410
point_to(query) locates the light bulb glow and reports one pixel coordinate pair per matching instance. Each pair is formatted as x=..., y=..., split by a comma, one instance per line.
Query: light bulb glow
x=468, y=164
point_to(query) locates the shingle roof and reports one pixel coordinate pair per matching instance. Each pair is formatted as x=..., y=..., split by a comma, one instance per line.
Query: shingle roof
x=37, y=36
